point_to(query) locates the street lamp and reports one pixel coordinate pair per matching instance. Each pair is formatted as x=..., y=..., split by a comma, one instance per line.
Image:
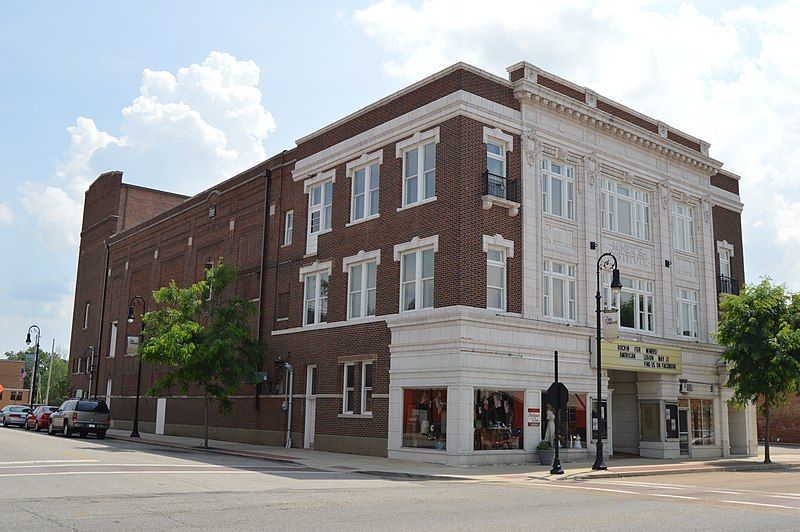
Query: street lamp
x=134, y=299
x=38, y=333
x=616, y=286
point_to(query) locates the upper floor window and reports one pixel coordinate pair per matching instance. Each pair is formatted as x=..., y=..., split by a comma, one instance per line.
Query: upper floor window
x=559, y=290
x=315, y=295
x=635, y=302
x=320, y=207
x=419, y=166
x=348, y=388
x=366, y=190
x=86, y=316
x=725, y=263
x=688, y=315
x=366, y=387
x=684, y=227
x=363, y=280
x=288, y=227
x=496, y=278
x=558, y=189
x=416, y=272
x=496, y=159
x=625, y=209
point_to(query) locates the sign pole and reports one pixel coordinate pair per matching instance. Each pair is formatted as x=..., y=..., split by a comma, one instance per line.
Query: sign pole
x=50, y=373
x=556, y=470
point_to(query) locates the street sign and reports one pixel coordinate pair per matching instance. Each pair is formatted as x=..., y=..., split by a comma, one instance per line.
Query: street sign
x=558, y=395
x=610, y=320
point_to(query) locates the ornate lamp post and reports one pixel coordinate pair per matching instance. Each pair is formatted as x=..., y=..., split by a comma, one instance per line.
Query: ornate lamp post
x=134, y=299
x=38, y=333
x=616, y=286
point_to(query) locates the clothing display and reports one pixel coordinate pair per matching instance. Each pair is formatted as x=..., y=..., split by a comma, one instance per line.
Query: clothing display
x=498, y=420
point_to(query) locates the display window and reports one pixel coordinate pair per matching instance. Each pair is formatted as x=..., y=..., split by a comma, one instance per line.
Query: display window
x=572, y=430
x=498, y=420
x=649, y=421
x=425, y=418
x=702, y=412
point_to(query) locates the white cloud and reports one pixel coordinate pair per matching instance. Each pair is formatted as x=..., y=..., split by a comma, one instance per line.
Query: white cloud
x=6, y=216
x=729, y=78
x=184, y=132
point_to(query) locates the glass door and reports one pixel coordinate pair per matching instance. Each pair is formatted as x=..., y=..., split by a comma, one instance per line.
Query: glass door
x=683, y=429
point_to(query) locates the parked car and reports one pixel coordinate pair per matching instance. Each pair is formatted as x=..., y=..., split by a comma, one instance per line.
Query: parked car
x=14, y=415
x=83, y=416
x=40, y=418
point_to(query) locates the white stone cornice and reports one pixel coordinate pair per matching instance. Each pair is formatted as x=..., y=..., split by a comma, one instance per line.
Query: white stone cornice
x=316, y=267
x=498, y=134
x=361, y=256
x=416, y=243
x=319, y=178
x=415, y=139
x=500, y=242
x=375, y=157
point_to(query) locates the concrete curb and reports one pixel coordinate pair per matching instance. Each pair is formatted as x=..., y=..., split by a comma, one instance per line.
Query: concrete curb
x=709, y=469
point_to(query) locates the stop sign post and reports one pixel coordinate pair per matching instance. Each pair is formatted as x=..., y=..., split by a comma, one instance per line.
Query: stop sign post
x=557, y=396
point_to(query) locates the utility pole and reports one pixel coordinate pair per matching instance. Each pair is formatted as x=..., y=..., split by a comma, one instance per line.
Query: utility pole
x=50, y=373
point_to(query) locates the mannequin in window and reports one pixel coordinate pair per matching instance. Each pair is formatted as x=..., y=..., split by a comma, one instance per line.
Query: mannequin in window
x=550, y=432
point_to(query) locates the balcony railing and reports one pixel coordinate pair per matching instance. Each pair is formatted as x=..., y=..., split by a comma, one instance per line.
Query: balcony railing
x=727, y=285
x=500, y=187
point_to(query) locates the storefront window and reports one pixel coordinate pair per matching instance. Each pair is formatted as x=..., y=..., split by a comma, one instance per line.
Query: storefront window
x=649, y=425
x=572, y=431
x=498, y=419
x=702, y=421
x=425, y=418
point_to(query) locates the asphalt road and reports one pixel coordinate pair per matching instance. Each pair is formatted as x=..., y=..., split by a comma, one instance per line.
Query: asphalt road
x=53, y=483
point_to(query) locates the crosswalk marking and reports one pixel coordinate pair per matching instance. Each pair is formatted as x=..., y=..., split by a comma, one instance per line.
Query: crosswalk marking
x=763, y=504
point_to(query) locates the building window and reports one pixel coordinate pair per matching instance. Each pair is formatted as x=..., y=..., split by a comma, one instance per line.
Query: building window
x=212, y=211
x=558, y=189
x=702, y=411
x=688, y=315
x=498, y=420
x=625, y=209
x=320, y=207
x=112, y=347
x=419, y=174
x=288, y=227
x=366, y=192
x=348, y=388
x=108, y=393
x=425, y=418
x=572, y=429
x=315, y=309
x=725, y=263
x=366, y=388
x=86, y=316
x=496, y=279
x=649, y=422
x=363, y=280
x=416, y=273
x=684, y=227
x=635, y=302
x=559, y=290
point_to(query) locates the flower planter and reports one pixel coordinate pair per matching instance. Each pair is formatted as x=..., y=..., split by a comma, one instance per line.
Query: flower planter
x=546, y=457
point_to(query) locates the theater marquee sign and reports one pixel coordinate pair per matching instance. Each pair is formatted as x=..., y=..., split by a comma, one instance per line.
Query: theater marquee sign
x=638, y=356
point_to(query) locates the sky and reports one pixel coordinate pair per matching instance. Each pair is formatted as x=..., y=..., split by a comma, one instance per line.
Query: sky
x=182, y=94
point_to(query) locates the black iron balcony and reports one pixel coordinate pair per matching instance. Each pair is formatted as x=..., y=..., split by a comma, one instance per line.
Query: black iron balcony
x=727, y=285
x=500, y=187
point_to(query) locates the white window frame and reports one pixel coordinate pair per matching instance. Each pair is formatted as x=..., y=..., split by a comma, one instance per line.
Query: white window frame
x=567, y=276
x=288, y=227
x=687, y=307
x=364, y=387
x=418, y=142
x=416, y=246
x=370, y=163
x=314, y=274
x=498, y=243
x=553, y=170
x=108, y=392
x=639, y=199
x=112, y=346
x=363, y=259
x=347, y=408
x=86, y=316
x=319, y=182
x=683, y=232
x=491, y=263
x=643, y=292
x=725, y=252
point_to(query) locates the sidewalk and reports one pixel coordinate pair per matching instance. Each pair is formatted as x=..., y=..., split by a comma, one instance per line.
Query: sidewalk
x=785, y=457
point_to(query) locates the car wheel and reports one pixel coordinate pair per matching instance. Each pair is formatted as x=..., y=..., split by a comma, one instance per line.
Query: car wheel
x=67, y=432
x=37, y=427
x=5, y=423
x=83, y=434
x=51, y=430
x=101, y=435
x=25, y=426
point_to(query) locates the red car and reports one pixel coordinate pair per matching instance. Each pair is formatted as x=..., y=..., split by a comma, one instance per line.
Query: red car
x=40, y=418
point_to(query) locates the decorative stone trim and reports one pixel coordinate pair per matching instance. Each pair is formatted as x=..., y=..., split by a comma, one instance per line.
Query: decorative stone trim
x=319, y=178
x=500, y=242
x=361, y=256
x=316, y=267
x=487, y=201
x=724, y=245
x=417, y=138
x=357, y=358
x=365, y=160
x=416, y=243
x=497, y=134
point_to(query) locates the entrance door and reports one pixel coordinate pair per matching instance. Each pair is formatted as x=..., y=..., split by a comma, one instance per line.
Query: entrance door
x=311, y=406
x=683, y=429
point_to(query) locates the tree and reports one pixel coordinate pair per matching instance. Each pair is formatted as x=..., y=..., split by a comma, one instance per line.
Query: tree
x=202, y=334
x=759, y=328
x=59, y=385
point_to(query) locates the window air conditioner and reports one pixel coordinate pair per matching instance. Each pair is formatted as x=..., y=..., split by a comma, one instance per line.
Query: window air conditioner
x=686, y=387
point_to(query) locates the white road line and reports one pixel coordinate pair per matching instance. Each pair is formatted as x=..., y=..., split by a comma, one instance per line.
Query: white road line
x=720, y=492
x=233, y=472
x=642, y=485
x=672, y=496
x=795, y=497
x=593, y=489
x=47, y=462
x=97, y=464
x=762, y=504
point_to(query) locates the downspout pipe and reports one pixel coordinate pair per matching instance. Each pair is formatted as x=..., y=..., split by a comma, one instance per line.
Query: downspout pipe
x=264, y=249
x=102, y=322
x=287, y=403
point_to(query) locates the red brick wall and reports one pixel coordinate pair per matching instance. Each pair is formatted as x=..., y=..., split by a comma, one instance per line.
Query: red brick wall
x=728, y=226
x=785, y=423
x=138, y=204
x=725, y=183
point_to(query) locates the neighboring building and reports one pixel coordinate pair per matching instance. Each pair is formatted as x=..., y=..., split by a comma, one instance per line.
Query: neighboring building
x=13, y=393
x=785, y=423
x=416, y=264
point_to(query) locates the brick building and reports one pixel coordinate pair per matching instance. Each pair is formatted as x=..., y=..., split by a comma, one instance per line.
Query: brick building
x=13, y=393
x=416, y=264
x=785, y=423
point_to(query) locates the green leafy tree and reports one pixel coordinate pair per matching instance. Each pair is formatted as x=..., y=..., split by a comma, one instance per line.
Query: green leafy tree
x=202, y=334
x=759, y=328
x=59, y=386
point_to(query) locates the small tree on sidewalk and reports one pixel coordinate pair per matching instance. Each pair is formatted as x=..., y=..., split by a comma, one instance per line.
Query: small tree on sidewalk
x=759, y=328
x=202, y=333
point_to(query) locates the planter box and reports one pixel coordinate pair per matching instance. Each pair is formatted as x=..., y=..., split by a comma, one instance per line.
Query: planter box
x=546, y=457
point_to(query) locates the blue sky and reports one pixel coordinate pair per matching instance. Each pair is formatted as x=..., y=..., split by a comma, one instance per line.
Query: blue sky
x=264, y=74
